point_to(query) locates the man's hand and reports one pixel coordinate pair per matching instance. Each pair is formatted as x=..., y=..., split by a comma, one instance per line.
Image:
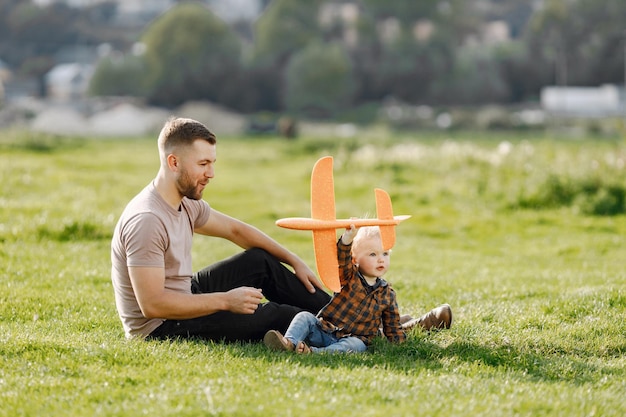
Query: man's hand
x=307, y=277
x=243, y=300
x=156, y=301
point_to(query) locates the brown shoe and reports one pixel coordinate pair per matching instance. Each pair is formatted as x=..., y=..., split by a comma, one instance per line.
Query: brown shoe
x=438, y=318
x=405, y=318
x=274, y=340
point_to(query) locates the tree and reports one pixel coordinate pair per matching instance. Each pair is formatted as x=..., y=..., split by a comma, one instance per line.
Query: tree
x=32, y=36
x=476, y=79
x=408, y=11
x=36, y=34
x=404, y=67
x=191, y=55
x=319, y=80
x=577, y=42
x=119, y=76
x=595, y=35
x=286, y=27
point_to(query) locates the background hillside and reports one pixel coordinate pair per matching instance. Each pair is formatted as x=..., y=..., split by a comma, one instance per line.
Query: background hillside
x=318, y=58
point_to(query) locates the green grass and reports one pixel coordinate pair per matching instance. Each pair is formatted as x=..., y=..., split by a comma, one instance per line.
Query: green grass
x=504, y=228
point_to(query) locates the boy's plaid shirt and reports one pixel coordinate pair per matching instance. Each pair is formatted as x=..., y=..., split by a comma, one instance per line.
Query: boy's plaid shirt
x=355, y=311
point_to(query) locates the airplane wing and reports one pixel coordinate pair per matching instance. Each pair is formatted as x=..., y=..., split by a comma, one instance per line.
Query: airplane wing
x=323, y=208
x=323, y=222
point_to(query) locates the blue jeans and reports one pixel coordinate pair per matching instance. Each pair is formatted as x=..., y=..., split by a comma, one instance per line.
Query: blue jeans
x=305, y=327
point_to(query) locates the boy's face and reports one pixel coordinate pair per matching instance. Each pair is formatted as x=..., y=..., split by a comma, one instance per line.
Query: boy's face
x=372, y=260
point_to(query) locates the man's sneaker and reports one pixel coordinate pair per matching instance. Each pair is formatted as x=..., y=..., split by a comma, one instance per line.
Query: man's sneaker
x=435, y=319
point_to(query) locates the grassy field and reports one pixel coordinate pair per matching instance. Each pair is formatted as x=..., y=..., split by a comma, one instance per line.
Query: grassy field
x=523, y=235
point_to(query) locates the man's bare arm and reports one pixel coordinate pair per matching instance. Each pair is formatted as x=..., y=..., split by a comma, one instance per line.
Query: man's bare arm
x=247, y=236
x=156, y=301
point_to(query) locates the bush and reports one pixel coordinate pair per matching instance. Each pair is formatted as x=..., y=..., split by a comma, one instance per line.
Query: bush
x=606, y=200
x=589, y=196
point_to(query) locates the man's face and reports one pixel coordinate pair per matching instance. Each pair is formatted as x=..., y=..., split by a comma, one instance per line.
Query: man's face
x=197, y=167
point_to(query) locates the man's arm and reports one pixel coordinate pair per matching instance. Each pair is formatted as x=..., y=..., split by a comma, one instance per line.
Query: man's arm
x=247, y=236
x=156, y=301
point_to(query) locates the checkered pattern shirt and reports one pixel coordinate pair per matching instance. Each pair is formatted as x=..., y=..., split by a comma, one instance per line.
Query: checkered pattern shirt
x=358, y=309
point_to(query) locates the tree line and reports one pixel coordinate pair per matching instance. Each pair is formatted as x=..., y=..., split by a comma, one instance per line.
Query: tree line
x=319, y=57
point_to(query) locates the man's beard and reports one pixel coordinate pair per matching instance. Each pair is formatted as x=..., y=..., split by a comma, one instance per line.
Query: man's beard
x=186, y=187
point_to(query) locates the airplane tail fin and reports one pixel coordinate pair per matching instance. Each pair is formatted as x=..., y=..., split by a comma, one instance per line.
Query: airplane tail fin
x=384, y=211
x=323, y=190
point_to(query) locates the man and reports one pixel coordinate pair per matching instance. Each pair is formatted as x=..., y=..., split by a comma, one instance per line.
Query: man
x=158, y=296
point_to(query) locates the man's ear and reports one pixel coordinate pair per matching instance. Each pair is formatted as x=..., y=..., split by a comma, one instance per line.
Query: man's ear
x=172, y=162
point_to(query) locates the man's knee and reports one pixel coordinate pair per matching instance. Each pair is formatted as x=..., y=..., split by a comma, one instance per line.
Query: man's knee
x=276, y=316
x=257, y=255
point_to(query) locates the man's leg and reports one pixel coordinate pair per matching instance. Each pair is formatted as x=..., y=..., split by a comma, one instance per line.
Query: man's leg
x=230, y=327
x=257, y=268
x=253, y=268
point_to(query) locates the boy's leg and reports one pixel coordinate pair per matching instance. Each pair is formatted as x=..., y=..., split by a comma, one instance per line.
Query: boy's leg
x=345, y=344
x=304, y=327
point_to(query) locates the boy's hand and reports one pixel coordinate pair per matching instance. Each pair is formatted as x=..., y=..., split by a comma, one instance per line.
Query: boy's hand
x=348, y=235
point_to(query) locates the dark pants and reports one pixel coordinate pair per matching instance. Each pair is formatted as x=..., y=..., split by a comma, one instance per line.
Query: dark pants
x=253, y=268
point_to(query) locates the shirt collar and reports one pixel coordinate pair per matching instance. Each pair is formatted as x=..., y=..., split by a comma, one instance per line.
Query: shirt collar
x=379, y=282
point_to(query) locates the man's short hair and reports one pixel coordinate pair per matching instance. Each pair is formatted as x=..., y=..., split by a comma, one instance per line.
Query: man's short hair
x=179, y=131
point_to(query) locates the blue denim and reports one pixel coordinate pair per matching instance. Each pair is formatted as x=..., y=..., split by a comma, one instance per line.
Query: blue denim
x=305, y=327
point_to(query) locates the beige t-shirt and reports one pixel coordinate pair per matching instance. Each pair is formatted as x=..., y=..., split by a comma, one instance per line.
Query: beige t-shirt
x=151, y=233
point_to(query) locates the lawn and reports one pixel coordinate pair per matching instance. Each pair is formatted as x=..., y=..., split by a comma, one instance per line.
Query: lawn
x=524, y=235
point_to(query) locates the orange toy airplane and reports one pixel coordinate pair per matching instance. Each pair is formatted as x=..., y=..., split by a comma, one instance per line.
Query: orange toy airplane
x=323, y=222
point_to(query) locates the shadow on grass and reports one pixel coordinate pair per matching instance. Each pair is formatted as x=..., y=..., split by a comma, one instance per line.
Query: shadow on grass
x=425, y=353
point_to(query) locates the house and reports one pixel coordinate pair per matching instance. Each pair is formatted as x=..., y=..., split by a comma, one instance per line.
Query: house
x=5, y=74
x=68, y=81
x=604, y=101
